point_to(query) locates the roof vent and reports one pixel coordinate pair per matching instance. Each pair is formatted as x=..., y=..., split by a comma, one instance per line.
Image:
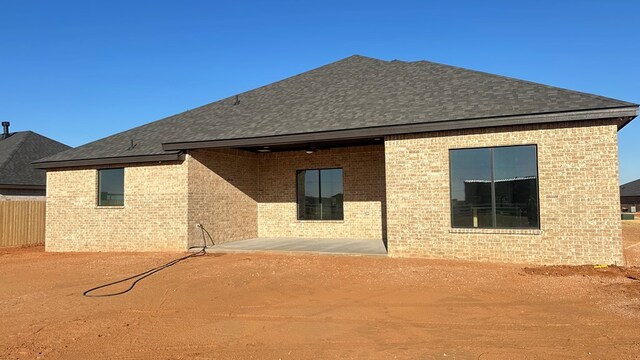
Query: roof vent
x=5, y=129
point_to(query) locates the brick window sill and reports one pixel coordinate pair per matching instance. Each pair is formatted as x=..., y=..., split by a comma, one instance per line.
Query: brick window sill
x=497, y=231
x=109, y=207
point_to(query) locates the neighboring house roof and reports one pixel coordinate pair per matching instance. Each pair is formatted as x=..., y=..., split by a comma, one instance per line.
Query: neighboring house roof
x=356, y=97
x=630, y=189
x=16, y=154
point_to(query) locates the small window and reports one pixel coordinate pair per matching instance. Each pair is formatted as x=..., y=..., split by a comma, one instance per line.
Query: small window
x=494, y=187
x=320, y=195
x=111, y=187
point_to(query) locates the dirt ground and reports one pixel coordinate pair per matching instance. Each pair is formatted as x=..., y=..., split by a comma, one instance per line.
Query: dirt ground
x=262, y=306
x=631, y=241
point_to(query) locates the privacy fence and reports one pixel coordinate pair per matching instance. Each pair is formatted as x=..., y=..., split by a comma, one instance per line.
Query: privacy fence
x=21, y=223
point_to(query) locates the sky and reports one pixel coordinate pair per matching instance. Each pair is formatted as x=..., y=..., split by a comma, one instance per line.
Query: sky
x=77, y=71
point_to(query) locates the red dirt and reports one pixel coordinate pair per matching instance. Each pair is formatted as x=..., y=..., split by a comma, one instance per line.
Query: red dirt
x=610, y=271
x=631, y=241
x=291, y=307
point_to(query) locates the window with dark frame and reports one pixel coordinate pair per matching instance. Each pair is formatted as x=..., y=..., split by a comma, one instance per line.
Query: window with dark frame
x=319, y=194
x=111, y=187
x=494, y=187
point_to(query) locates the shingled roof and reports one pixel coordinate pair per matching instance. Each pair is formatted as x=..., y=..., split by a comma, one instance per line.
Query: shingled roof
x=16, y=154
x=630, y=188
x=355, y=97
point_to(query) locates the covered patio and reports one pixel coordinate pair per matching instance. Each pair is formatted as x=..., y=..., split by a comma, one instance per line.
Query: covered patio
x=331, y=200
x=299, y=245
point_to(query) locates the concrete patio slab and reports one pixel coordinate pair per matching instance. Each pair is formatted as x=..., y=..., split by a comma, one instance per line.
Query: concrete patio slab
x=300, y=245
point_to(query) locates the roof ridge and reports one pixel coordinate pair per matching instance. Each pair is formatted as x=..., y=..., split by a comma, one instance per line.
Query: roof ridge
x=48, y=138
x=354, y=56
x=358, y=92
x=333, y=63
x=529, y=82
x=21, y=143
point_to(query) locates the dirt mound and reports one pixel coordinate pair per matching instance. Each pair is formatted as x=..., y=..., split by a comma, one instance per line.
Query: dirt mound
x=612, y=271
x=630, y=276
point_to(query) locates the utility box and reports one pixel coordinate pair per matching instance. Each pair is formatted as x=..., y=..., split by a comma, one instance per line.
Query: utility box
x=627, y=216
x=633, y=209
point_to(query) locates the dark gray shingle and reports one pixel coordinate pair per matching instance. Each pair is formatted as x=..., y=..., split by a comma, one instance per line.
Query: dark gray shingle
x=353, y=93
x=630, y=188
x=18, y=151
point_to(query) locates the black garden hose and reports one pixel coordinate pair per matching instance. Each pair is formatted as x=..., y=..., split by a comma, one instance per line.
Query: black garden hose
x=150, y=272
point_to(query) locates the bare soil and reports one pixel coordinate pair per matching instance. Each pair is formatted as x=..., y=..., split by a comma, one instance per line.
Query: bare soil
x=631, y=241
x=262, y=306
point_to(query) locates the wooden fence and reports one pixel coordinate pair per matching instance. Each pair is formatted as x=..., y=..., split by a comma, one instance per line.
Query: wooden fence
x=22, y=223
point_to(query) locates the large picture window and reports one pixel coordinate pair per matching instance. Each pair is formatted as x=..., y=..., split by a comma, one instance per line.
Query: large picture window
x=494, y=187
x=111, y=187
x=320, y=195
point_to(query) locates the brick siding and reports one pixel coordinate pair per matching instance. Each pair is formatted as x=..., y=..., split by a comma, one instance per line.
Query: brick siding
x=363, y=185
x=578, y=186
x=153, y=218
x=238, y=195
x=223, y=187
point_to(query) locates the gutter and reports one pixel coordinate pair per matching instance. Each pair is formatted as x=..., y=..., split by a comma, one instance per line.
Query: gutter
x=626, y=114
x=108, y=161
x=18, y=186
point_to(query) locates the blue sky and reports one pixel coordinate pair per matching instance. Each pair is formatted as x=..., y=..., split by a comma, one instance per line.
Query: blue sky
x=77, y=71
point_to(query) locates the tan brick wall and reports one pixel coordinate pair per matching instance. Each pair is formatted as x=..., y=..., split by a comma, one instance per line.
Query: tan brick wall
x=238, y=195
x=223, y=187
x=154, y=217
x=579, y=196
x=234, y=194
x=363, y=185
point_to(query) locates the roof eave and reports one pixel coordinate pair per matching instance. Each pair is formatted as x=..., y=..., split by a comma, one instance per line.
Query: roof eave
x=108, y=161
x=22, y=186
x=626, y=120
x=625, y=114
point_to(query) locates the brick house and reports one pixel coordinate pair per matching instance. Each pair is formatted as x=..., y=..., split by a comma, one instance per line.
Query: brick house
x=630, y=195
x=437, y=161
x=18, y=179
